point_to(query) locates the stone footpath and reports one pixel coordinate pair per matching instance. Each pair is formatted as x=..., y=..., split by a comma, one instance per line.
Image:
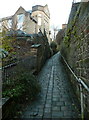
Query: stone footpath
x=57, y=99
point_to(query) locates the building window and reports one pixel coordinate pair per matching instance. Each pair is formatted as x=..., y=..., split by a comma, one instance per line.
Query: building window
x=9, y=23
x=20, y=20
x=39, y=21
x=39, y=15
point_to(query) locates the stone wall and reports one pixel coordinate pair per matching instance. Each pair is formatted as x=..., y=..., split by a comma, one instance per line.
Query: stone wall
x=43, y=52
x=60, y=35
x=75, y=47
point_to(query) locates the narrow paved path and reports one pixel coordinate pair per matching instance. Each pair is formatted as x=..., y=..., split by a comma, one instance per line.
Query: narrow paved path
x=57, y=99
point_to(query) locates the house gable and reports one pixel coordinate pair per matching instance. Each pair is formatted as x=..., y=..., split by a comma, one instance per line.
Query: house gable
x=46, y=10
x=21, y=10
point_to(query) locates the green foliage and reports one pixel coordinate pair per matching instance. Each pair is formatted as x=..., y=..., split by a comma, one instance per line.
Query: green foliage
x=31, y=85
x=22, y=84
x=58, y=47
x=53, y=46
x=6, y=42
x=27, y=87
x=15, y=92
x=67, y=41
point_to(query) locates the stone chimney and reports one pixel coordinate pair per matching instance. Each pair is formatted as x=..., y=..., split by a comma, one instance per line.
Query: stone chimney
x=64, y=26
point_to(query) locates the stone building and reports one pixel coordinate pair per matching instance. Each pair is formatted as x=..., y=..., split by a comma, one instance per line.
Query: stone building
x=42, y=15
x=20, y=20
x=64, y=26
x=28, y=21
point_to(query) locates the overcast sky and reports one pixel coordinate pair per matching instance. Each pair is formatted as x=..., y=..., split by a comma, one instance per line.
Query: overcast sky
x=59, y=9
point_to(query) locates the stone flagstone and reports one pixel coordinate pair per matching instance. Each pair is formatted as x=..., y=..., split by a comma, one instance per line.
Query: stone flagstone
x=56, y=99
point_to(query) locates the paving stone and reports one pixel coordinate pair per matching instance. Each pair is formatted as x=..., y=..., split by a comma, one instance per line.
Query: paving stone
x=56, y=98
x=48, y=105
x=49, y=98
x=49, y=101
x=54, y=109
x=60, y=103
x=47, y=115
x=69, y=114
x=67, y=103
x=47, y=111
x=57, y=114
x=65, y=108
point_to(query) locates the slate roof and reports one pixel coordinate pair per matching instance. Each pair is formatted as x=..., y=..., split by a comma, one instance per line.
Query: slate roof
x=29, y=11
x=6, y=18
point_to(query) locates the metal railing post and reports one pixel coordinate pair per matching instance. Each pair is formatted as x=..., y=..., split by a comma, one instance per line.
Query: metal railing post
x=82, y=85
x=82, y=105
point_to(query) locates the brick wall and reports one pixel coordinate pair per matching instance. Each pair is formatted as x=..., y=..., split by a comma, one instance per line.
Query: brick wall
x=75, y=47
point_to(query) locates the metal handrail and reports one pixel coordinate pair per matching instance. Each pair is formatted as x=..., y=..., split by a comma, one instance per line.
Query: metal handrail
x=10, y=65
x=82, y=84
x=78, y=79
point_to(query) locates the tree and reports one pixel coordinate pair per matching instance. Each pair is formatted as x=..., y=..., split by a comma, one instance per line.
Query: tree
x=53, y=46
x=55, y=30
